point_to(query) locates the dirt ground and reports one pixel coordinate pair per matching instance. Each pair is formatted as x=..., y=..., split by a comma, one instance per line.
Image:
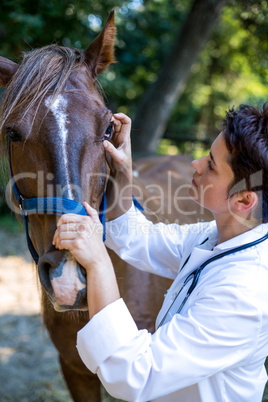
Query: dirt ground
x=29, y=369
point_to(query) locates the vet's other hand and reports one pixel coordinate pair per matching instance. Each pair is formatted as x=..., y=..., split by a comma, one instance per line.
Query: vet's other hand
x=82, y=236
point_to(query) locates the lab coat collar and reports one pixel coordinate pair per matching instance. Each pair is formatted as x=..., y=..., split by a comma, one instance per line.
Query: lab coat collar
x=246, y=237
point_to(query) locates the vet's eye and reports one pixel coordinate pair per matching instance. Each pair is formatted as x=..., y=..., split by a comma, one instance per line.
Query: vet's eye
x=13, y=134
x=109, y=132
x=210, y=165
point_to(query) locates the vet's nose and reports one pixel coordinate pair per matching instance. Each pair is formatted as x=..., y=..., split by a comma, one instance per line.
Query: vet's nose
x=198, y=164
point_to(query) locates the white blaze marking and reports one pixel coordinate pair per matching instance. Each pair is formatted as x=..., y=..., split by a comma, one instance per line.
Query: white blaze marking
x=59, y=110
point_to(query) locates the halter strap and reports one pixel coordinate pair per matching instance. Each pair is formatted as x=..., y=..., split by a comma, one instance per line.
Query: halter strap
x=48, y=205
x=52, y=206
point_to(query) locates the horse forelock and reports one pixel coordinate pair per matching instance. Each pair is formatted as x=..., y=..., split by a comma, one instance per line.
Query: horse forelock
x=42, y=71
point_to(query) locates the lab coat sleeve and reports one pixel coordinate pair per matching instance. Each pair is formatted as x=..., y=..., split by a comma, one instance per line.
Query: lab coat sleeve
x=155, y=248
x=220, y=331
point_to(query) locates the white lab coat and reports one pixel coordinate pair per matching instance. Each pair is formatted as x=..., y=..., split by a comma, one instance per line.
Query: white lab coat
x=215, y=349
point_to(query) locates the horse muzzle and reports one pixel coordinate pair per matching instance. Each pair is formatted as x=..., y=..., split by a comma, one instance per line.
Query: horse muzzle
x=64, y=281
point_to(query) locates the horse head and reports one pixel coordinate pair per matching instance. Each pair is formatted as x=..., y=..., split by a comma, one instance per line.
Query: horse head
x=54, y=120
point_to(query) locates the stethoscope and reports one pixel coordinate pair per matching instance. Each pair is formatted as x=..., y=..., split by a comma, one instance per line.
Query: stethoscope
x=197, y=272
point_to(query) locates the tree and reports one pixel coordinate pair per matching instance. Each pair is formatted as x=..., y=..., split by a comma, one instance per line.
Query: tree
x=231, y=69
x=156, y=105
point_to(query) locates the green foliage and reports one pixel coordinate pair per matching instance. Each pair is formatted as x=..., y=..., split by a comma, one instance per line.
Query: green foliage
x=9, y=223
x=231, y=70
x=26, y=24
x=145, y=32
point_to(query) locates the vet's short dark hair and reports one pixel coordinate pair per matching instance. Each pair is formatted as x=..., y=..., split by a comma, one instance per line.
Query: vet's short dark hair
x=246, y=137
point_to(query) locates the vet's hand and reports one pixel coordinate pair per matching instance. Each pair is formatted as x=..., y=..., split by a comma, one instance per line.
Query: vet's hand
x=82, y=236
x=120, y=146
x=119, y=186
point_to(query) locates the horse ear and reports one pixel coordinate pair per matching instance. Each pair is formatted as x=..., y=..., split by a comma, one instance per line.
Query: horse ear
x=100, y=52
x=7, y=70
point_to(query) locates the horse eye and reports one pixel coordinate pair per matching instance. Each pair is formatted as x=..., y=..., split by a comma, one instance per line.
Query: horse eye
x=13, y=134
x=109, y=132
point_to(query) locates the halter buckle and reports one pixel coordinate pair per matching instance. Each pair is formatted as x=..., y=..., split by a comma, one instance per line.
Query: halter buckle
x=22, y=211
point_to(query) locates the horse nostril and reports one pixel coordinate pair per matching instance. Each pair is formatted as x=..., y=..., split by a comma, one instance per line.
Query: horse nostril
x=43, y=271
x=82, y=273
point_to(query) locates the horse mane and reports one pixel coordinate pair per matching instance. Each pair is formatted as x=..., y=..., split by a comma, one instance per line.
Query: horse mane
x=42, y=71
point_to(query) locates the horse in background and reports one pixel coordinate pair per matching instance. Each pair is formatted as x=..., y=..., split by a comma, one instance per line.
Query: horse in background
x=54, y=119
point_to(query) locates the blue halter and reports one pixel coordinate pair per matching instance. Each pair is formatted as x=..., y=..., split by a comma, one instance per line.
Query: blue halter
x=48, y=205
x=52, y=206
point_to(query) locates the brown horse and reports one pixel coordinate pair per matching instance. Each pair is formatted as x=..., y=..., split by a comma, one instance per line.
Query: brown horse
x=54, y=119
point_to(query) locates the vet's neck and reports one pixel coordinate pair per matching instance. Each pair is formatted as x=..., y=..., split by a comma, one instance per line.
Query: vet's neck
x=231, y=226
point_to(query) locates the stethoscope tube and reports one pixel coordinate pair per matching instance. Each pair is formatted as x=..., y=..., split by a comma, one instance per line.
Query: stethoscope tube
x=197, y=272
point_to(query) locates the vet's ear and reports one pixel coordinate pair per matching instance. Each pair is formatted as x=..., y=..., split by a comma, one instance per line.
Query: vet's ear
x=246, y=200
x=100, y=52
x=7, y=70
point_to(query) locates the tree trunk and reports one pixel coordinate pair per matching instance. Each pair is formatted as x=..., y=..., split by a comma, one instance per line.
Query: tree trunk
x=157, y=103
